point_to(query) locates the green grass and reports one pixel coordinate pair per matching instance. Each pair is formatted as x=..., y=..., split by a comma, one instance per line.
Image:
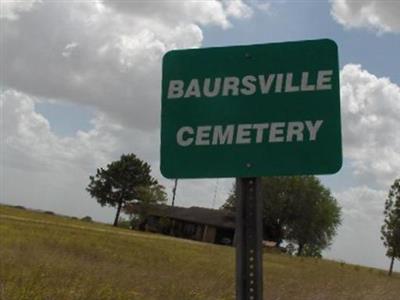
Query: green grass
x=48, y=257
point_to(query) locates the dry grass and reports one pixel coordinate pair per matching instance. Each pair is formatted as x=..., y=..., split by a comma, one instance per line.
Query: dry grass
x=50, y=257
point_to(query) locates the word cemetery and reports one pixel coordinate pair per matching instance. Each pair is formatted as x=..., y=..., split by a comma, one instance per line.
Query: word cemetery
x=276, y=132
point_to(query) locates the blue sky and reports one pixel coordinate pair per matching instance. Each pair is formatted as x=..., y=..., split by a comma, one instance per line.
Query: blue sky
x=304, y=20
x=81, y=85
x=378, y=53
x=66, y=118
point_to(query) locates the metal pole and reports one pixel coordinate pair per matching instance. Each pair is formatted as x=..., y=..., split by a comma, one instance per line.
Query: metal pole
x=249, y=206
x=215, y=194
x=174, y=192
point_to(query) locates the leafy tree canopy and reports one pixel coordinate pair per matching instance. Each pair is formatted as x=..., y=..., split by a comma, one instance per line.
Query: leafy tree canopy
x=297, y=209
x=391, y=226
x=123, y=181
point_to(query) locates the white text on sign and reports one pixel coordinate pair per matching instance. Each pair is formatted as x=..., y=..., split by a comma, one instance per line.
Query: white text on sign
x=275, y=132
x=249, y=85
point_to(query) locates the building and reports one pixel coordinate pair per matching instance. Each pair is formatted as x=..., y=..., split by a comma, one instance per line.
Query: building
x=195, y=223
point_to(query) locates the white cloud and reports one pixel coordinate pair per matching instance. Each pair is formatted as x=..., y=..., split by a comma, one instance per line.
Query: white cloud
x=69, y=49
x=11, y=9
x=358, y=240
x=373, y=14
x=40, y=169
x=371, y=123
x=203, y=192
x=201, y=12
x=54, y=171
x=362, y=204
x=237, y=9
x=105, y=54
x=29, y=143
x=264, y=6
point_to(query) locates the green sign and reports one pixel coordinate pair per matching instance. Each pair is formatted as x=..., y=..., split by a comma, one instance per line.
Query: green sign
x=245, y=111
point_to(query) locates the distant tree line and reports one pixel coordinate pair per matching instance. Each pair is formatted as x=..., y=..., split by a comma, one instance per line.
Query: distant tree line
x=298, y=210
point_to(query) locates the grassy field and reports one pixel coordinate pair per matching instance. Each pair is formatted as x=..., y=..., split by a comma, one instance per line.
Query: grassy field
x=50, y=257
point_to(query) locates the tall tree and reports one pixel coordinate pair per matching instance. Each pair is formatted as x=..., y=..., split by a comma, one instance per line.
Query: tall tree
x=123, y=181
x=153, y=194
x=313, y=215
x=391, y=226
x=298, y=209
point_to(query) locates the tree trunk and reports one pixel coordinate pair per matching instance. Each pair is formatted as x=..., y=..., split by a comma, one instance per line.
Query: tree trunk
x=118, y=212
x=391, y=266
x=300, y=250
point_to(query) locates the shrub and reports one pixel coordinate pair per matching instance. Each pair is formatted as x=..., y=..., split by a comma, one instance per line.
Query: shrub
x=87, y=219
x=124, y=223
x=19, y=206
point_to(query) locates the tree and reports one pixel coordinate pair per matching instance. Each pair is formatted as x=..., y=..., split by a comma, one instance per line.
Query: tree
x=299, y=210
x=313, y=215
x=391, y=226
x=123, y=181
x=230, y=201
x=152, y=194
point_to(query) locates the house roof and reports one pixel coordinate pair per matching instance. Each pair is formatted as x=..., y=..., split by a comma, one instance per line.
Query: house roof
x=200, y=215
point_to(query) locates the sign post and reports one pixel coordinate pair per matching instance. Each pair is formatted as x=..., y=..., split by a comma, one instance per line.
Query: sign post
x=247, y=112
x=249, y=231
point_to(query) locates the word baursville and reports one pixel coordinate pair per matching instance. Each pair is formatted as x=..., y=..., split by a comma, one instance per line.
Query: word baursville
x=250, y=84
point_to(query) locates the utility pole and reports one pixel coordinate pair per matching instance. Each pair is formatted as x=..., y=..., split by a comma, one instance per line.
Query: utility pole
x=215, y=193
x=174, y=192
